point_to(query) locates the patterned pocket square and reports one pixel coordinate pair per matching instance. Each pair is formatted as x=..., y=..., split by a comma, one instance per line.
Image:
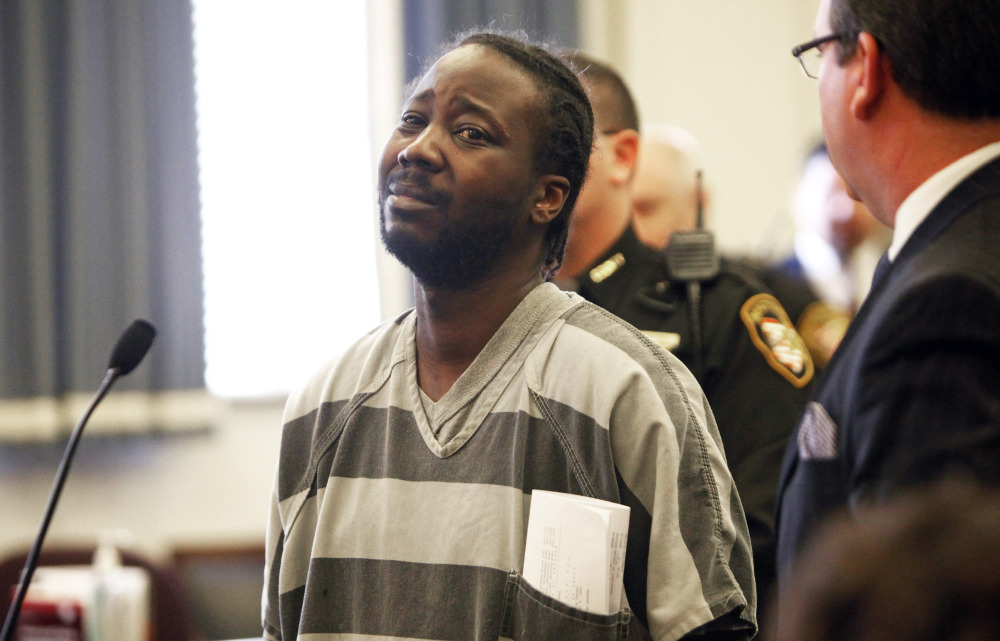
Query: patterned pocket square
x=817, y=434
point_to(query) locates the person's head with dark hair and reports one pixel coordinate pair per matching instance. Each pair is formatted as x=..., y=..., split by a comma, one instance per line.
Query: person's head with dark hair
x=945, y=54
x=924, y=567
x=561, y=119
x=604, y=208
x=906, y=88
x=614, y=107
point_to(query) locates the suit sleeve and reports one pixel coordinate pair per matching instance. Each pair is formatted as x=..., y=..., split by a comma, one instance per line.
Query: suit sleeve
x=929, y=394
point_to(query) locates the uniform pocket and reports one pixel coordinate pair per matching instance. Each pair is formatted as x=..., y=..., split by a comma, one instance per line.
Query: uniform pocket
x=529, y=615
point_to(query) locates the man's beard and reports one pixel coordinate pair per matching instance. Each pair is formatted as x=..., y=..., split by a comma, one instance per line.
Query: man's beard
x=463, y=253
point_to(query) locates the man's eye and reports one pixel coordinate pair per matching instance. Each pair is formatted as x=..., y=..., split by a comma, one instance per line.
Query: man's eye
x=473, y=134
x=412, y=120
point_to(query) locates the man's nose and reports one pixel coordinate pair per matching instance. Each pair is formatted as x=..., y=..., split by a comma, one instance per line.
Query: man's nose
x=424, y=150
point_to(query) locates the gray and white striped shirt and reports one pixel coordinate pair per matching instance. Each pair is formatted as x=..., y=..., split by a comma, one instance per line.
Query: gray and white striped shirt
x=386, y=524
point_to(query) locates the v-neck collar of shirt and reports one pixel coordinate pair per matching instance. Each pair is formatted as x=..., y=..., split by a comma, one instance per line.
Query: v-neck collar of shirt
x=459, y=413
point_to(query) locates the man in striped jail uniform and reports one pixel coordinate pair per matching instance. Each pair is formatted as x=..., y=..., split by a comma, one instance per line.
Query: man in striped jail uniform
x=406, y=466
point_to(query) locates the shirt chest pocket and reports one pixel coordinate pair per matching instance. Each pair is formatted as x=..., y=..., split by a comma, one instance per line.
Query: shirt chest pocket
x=530, y=615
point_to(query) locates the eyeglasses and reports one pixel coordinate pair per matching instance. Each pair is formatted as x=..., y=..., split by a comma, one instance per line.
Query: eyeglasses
x=810, y=55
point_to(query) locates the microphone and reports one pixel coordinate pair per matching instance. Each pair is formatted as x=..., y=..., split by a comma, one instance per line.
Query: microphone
x=131, y=347
x=129, y=351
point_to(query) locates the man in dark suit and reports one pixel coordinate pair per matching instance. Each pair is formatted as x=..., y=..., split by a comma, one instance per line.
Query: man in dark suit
x=911, y=113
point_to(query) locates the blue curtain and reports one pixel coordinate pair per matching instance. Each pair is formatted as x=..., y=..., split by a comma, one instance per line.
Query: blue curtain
x=99, y=205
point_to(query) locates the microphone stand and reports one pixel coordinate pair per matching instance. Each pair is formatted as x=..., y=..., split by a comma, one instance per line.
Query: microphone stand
x=32, y=561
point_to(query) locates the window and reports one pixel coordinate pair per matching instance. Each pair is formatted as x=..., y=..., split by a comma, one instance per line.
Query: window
x=288, y=204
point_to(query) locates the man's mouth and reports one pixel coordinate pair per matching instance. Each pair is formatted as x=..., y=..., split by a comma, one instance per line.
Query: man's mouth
x=411, y=192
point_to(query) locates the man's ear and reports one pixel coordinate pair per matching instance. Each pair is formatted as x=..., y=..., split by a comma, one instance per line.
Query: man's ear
x=550, y=196
x=871, y=75
x=624, y=154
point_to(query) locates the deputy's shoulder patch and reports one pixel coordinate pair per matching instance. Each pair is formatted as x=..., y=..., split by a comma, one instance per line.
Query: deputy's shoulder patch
x=774, y=335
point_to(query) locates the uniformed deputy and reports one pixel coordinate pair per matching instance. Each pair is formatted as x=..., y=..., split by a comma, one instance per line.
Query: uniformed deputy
x=714, y=314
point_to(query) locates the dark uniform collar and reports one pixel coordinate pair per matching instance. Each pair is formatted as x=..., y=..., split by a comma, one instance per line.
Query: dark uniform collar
x=625, y=255
x=613, y=276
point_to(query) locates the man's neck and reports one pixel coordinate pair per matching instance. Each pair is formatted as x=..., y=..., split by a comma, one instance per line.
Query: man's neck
x=453, y=326
x=924, y=144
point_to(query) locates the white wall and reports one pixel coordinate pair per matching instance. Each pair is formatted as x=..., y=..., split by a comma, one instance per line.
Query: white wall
x=719, y=68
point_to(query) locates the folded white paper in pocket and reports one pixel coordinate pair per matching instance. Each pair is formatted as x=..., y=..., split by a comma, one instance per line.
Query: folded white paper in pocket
x=575, y=550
